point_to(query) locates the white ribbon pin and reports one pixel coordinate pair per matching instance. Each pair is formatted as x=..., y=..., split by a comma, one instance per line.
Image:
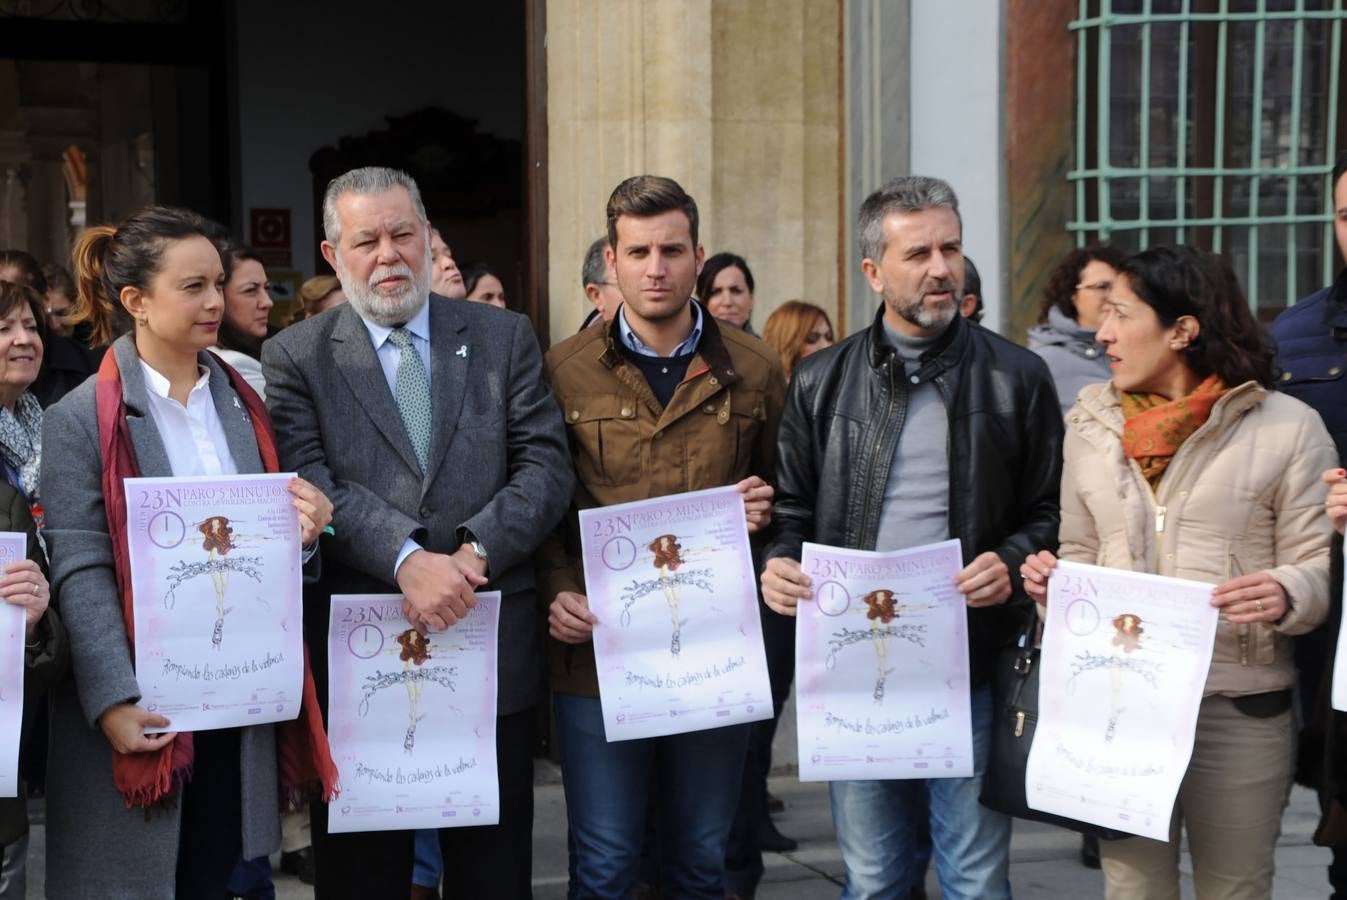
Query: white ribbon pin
x=462, y=351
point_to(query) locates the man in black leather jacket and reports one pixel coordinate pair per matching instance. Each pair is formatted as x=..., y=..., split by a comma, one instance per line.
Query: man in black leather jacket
x=922, y=428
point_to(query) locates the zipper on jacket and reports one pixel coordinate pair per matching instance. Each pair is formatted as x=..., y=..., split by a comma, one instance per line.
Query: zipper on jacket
x=1019, y=724
x=875, y=492
x=1160, y=519
x=951, y=516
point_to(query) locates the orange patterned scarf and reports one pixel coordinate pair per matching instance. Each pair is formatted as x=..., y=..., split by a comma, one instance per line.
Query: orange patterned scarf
x=1154, y=428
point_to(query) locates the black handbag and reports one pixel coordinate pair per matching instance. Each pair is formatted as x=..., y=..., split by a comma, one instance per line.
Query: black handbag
x=1014, y=717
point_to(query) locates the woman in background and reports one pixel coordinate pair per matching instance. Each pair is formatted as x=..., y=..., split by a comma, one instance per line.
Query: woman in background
x=1072, y=308
x=725, y=287
x=24, y=582
x=796, y=330
x=65, y=363
x=317, y=295
x=247, y=312
x=483, y=285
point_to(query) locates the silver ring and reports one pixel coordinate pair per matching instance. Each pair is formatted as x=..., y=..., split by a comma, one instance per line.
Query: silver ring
x=34, y=588
x=1260, y=604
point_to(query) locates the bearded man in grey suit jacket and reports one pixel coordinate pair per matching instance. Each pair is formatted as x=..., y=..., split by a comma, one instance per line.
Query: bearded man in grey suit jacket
x=428, y=424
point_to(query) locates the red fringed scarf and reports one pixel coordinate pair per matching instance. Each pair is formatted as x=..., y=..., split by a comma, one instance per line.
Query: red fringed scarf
x=144, y=779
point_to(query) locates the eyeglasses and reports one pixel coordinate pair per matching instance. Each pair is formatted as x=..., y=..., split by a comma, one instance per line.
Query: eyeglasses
x=1101, y=286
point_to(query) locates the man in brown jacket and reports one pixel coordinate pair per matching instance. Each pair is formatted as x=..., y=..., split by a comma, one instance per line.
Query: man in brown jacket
x=658, y=402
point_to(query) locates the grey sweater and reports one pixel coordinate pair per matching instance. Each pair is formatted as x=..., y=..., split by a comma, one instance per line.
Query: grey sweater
x=916, y=497
x=1072, y=355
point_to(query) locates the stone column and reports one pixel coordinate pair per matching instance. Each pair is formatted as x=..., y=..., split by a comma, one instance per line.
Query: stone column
x=738, y=100
x=878, y=85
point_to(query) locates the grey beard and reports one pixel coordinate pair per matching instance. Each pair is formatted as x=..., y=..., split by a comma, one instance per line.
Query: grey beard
x=387, y=311
x=915, y=311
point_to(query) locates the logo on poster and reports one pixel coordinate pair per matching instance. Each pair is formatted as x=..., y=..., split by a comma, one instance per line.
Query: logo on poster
x=365, y=641
x=619, y=553
x=166, y=530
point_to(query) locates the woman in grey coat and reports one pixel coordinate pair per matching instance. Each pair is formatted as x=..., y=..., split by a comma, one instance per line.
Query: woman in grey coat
x=1072, y=303
x=131, y=815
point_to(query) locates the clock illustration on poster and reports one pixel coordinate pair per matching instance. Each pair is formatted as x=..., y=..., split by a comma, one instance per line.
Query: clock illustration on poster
x=365, y=641
x=619, y=553
x=166, y=530
x=833, y=599
x=1082, y=617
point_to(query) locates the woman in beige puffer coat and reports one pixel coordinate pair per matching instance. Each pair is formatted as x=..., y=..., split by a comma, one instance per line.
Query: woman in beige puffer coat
x=1186, y=465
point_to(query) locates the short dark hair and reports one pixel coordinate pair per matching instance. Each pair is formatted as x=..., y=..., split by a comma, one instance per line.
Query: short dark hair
x=473, y=273
x=595, y=268
x=1178, y=281
x=27, y=266
x=13, y=294
x=717, y=264
x=1339, y=169
x=904, y=194
x=643, y=196
x=972, y=284
x=58, y=280
x=233, y=251
x=1061, y=286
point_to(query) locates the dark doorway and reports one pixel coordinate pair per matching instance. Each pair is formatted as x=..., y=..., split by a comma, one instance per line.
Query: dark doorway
x=108, y=111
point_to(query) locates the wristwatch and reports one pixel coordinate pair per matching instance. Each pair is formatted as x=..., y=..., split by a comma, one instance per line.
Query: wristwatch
x=478, y=550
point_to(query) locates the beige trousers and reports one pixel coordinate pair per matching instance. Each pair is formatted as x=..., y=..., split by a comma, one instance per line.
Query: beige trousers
x=295, y=830
x=1230, y=804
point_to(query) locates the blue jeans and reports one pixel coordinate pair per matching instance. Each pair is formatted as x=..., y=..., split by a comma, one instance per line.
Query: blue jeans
x=427, y=861
x=608, y=787
x=878, y=829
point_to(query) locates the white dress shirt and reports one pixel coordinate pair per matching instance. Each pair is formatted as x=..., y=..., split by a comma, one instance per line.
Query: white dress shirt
x=635, y=344
x=388, y=352
x=193, y=435
x=245, y=365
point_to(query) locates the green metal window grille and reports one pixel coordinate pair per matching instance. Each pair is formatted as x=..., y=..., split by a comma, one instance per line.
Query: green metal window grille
x=1215, y=123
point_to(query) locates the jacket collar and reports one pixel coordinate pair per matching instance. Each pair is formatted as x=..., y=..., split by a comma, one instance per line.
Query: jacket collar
x=359, y=364
x=944, y=354
x=149, y=444
x=1104, y=403
x=711, y=349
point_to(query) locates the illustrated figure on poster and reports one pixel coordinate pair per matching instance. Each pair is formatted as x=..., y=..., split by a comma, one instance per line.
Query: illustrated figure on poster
x=413, y=649
x=217, y=540
x=415, y=652
x=669, y=557
x=882, y=611
x=1125, y=641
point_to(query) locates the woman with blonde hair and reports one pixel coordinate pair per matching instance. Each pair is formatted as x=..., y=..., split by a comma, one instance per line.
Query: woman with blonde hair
x=317, y=295
x=131, y=814
x=795, y=330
